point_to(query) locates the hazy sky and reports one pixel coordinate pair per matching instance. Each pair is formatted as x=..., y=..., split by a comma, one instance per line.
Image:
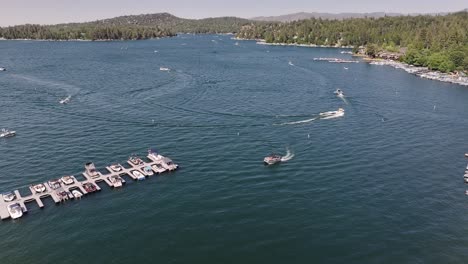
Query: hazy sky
x=58, y=11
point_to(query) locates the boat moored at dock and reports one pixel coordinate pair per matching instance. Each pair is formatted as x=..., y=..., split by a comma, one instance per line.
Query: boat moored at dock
x=8, y=197
x=90, y=170
x=67, y=180
x=139, y=176
x=148, y=171
x=116, y=181
x=15, y=210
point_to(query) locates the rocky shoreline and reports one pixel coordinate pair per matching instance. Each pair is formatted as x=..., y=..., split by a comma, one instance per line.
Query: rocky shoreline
x=424, y=72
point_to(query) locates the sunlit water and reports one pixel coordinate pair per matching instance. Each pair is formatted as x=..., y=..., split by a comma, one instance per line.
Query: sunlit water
x=382, y=184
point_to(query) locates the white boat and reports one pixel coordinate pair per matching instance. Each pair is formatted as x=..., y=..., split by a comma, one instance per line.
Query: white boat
x=54, y=184
x=116, y=181
x=332, y=114
x=8, y=197
x=2, y=69
x=290, y=63
x=148, y=170
x=164, y=69
x=15, y=210
x=346, y=68
x=152, y=154
x=77, y=194
x=39, y=188
x=138, y=175
x=237, y=43
x=67, y=180
x=272, y=159
x=5, y=133
x=168, y=164
x=158, y=168
x=135, y=160
x=339, y=93
x=91, y=170
x=116, y=167
x=65, y=100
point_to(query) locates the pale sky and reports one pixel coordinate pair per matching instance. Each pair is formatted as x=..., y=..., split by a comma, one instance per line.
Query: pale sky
x=13, y=12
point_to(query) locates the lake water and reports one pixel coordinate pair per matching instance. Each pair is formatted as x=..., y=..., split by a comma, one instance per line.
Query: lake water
x=383, y=184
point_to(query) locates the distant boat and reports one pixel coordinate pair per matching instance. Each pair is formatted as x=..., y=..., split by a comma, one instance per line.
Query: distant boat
x=15, y=210
x=346, y=68
x=339, y=93
x=164, y=69
x=5, y=133
x=65, y=100
x=138, y=175
x=332, y=114
x=156, y=51
x=290, y=63
x=67, y=180
x=8, y=197
x=116, y=181
x=2, y=69
x=237, y=43
x=148, y=171
x=77, y=194
x=272, y=159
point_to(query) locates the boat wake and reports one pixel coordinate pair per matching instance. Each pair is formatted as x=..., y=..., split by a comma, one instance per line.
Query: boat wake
x=299, y=122
x=289, y=155
x=69, y=88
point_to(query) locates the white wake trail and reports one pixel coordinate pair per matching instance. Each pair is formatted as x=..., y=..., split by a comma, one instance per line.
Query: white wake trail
x=299, y=122
x=289, y=155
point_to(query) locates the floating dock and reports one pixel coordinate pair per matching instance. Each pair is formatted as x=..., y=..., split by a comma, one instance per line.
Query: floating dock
x=57, y=190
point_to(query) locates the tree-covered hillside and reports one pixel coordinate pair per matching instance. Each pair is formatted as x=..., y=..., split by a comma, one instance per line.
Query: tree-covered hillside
x=125, y=27
x=439, y=42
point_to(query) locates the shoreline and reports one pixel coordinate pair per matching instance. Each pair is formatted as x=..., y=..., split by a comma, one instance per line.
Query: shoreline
x=422, y=72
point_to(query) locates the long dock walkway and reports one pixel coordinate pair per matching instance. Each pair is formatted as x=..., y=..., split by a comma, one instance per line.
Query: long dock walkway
x=55, y=193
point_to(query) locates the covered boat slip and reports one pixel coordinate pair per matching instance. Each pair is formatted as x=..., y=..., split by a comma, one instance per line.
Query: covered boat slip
x=76, y=185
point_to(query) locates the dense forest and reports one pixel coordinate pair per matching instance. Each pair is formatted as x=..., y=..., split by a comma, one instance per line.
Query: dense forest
x=125, y=28
x=438, y=42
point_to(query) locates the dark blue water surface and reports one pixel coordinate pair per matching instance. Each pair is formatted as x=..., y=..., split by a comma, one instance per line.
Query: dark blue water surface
x=383, y=184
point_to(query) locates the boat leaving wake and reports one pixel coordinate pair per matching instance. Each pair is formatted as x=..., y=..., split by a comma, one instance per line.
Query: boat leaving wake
x=289, y=156
x=299, y=122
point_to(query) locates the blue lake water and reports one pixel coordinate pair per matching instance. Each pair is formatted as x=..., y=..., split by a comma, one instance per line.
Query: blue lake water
x=383, y=184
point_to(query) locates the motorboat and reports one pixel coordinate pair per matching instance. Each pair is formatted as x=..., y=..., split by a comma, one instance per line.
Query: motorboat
x=332, y=114
x=164, y=69
x=77, y=194
x=290, y=63
x=5, y=133
x=138, y=175
x=65, y=100
x=62, y=194
x=116, y=167
x=272, y=159
x=2, y=69
x=153, y=154
x=339, y=93
x=158, y=168
x=168, y=164
x=116, y=181
x=8, y=197
x=54, y=184
x=89, y=187
x=15, y=210
x=135, y=160
x=39, y=188
x=67, y=180
x=237, y=43
x=148, y=171
x=90, y=169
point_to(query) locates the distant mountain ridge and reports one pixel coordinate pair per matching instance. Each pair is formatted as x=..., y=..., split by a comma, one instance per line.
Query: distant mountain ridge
x=339, y=16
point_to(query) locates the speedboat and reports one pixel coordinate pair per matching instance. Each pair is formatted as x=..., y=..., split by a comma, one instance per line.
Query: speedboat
x=116, y=167
x=332, y=114
x=135, y=160
x=54, y=184
x=8, y=197
x=164, y=69
x=272, y=159
x=138, y=175
x=116, y=181
x=77, y=194
x=2, y=69
x=89, y=187
x=39, y=188
x=62, y=194
x=67, y=180
x=65, y=100
x=153, y=154
x=338, y=92
x=90, y=169
x=158, y=168
x=168, y=164
x=15, y=210
x=148, y=170
x=290, y=63
x=4, y=133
